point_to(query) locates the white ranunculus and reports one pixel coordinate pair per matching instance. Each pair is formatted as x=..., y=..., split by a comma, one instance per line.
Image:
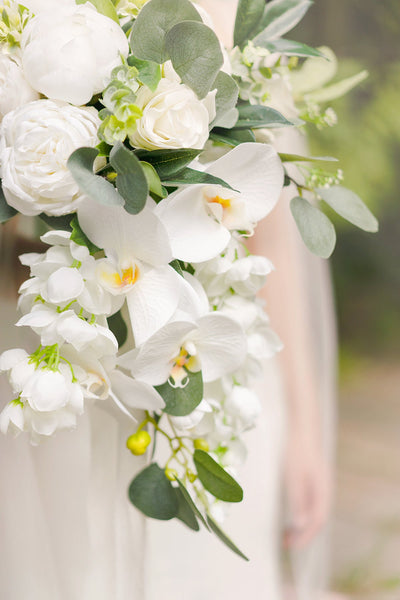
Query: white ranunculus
x=36, y=142
x=173, y=116
x=15, y=91
x=69, y=53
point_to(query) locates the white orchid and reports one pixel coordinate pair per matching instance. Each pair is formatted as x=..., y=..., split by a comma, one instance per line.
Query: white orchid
x=211, y=212
x=214, y=344
x=136, y=266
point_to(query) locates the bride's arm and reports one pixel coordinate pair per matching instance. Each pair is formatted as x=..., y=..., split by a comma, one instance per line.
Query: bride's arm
x=306, y=472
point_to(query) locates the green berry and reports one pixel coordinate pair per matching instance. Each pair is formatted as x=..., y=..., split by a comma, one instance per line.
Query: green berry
x=138, y=442
x=201, y=444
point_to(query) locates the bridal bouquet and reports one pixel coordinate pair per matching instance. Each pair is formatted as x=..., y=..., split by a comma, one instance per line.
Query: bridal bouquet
x=113, y=114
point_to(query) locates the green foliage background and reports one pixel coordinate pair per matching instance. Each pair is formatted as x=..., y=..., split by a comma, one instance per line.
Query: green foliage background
x=366, y=267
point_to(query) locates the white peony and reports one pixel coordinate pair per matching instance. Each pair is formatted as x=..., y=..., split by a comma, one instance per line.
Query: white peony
x=173, y=116
x=69, y=53
x=36, y=6
x=36, y=142
x=15, y=91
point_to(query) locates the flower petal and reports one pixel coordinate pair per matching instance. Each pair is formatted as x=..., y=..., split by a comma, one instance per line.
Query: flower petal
x=135, y=394
x=63, y=285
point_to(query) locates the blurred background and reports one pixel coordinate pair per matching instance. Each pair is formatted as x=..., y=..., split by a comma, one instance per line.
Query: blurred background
x=366, y=270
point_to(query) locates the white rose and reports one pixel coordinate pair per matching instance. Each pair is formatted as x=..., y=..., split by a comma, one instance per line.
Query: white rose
x=173, y=116
x=36, y=142
x=69, y=53
x=15, y=91
x=36, y=6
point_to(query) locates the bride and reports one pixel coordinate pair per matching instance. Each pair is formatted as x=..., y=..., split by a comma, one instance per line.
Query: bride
x=67, y=531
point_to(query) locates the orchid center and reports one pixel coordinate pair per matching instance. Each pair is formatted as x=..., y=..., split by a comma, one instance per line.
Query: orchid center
x=225, y=206
x=181, y=364
x=118, y=280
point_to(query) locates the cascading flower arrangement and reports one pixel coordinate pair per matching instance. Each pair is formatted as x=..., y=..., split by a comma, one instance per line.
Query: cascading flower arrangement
x=146, y=295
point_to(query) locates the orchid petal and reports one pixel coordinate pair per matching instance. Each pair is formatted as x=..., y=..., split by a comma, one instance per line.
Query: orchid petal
x=63, y=285
x=135, y=394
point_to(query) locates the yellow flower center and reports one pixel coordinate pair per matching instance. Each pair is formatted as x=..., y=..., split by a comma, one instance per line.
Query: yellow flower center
x=224, y=202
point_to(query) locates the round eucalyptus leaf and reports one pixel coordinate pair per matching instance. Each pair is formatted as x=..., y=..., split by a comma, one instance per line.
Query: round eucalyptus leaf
x=349, y=206
x=315, y=228
x=181, y=401
x=152, y=493
x=131, y=179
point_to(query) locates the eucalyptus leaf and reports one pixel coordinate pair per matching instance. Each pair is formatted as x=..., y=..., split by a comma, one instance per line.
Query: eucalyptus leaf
x=215, y=479
x=225, y=100
x=152, y=24
x=153, y=180
x=152, y=493
x=190, y=176
x=185, y=511
x=299, y=158
x=80, y=164
x=105, y=7
x=62, y=223
x=349, y=206
x=181, y=401
x=196, y=55
x=248, y=16
x=193, y=506
x=149, y=72
x=80, y=238
x=255, y=116
x=280, y=16
x=131, y=180
x=6, y=211
x=168, y=162
x=291, y=48
x=315, y=228
x=224, y=538
x=337, y=90
x=119, y=328
x=232, y=137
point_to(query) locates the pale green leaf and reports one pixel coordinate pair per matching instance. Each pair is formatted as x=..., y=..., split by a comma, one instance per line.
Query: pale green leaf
x=131, y=179
x=215, y=528
x=149, y=72
x=291, y=48
x=248, y=15
x=185, y=511
x=181, y=401
x=153, y=179
x=256, y=116
x=336, y=90
x=215, y=479
x=315, y=228
x=196, y=55
x=299, y=158
x=225, y=100
x=349, y=206
x=105, y=7
x=154, y=21
x=193, y=506
x=280, y=16
x=80, y=164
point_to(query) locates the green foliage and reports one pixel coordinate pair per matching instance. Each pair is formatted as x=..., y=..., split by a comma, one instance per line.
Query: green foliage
x=191, y=176
x=315, y=228
x=224, y=538
x=181, y=401
x=186, y=513
x=248, y=16
x=105, y=7
x=152, y=493
x=153, y=180
x=349, y=206
x=280, y=16
x=154, y=21
x=298, y=158
x=196, y=55
x=232, y=137
x=6, y=211
x=256, y=116
x=189, y=501
x=80, y=164
x=62, y=223
x=80, y=238
x=168, y=162
x=149, y=72
x=215, y=479
x=131, y=179
x=119, y=328
x=225, y=100
x=290, y=48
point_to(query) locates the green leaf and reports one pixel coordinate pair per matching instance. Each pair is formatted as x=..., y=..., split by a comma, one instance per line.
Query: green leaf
x=196, y=55
x=291, y=48
x=315, y=228
x=255, y=116
x=215, y=479
x=224, y=538
x=248, y=16
x=131, y=179
x=149, y=72
x=62, y=223
x=105, y=7
x=80, y=164
x=153, y=180
x=181, y=401
x=152, y=24
x=232, y=137
x=225, y=100
x=193, y=506
x=80, y=238
x=168, y=162
x=119, y=328
x=279, y=17
x=6, y=211
x=349, y=206
x=185, y=511
x=187, y=176
x=299, y=158
x=152, y=493
x=337, y=90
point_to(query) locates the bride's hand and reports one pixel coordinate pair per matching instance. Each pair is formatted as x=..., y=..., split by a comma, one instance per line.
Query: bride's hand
x=308, y=489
